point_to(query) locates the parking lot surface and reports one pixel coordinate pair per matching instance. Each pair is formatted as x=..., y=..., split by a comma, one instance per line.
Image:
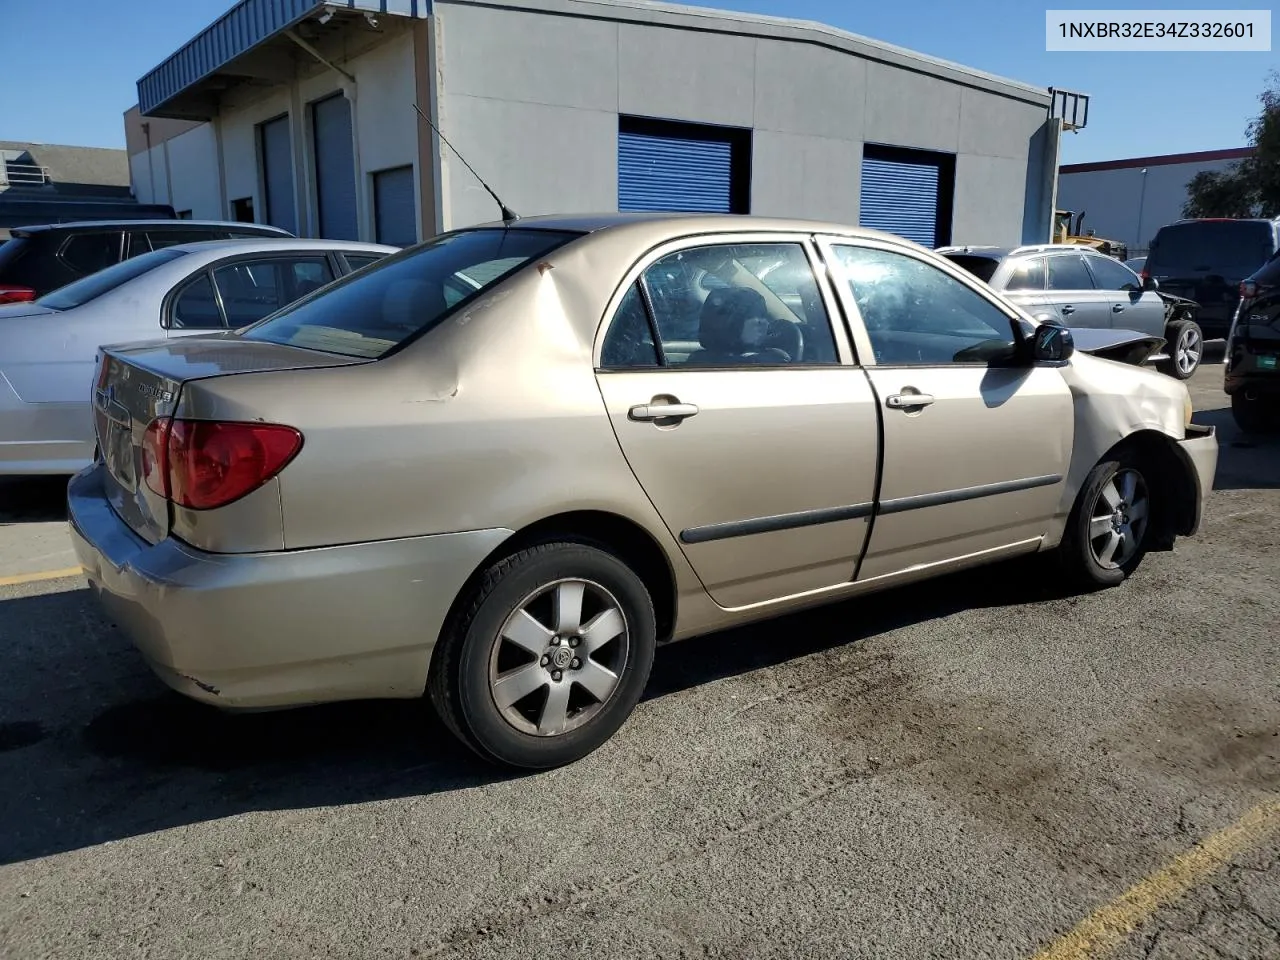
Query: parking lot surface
x=982, y=766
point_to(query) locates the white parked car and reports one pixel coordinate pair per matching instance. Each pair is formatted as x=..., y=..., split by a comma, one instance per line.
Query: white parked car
x=47, y=347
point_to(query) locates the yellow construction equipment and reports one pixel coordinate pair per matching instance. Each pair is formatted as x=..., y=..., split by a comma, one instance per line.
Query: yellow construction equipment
x=1067, y=229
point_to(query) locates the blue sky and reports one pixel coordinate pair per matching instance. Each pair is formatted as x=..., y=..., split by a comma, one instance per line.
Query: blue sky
x=73, y=85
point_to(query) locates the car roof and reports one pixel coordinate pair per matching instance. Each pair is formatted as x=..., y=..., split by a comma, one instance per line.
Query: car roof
x=225, y=248
x=79, y=225
x=972, y=250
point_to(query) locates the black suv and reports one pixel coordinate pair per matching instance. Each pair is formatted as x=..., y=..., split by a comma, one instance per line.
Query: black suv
x=37, y=260
x=1253, y=352
x=1206, y=260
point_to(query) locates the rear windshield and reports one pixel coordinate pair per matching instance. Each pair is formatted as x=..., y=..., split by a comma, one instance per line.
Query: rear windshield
x=984, y=268
x=371, y=311
x=1232, y=249
x=104, y=281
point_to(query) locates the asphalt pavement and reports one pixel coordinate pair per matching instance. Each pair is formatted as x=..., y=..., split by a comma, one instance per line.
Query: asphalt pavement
x=976, y=767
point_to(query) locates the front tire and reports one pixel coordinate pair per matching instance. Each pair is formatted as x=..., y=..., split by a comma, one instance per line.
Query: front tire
x=547, y=657
x=1109, y=528
x=1186, y=348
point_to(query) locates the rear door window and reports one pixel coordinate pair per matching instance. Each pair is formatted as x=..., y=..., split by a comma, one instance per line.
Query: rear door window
x=91, y=252
x=196, y=307
x=1232, y=249
x=1113, y=275
x=357, y=260
x=1068, y=272
x=253, y=289
x=372, y=311
x=1027, y=275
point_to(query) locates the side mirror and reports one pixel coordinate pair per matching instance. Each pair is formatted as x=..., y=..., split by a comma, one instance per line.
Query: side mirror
x=1052, y=342
x=1150, y=283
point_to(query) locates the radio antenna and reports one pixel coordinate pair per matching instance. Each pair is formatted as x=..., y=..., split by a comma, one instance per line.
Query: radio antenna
x=509, y=216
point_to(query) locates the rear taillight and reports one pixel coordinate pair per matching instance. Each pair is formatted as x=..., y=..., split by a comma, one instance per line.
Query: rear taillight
x=1248, y=289
x=13, y=294
x=202, y=464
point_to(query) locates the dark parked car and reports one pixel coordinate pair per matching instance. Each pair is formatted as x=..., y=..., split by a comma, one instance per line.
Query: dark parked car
x=40, y=259
x=1206, y=261
x=1253, y=352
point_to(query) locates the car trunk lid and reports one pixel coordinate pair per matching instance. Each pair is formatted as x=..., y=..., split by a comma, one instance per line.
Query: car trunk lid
x=137, y=384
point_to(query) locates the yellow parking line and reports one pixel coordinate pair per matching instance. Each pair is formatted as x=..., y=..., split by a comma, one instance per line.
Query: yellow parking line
x=43, y=575
x=1101, y=932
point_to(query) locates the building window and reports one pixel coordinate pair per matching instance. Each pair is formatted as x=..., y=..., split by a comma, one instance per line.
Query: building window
x=184, y=214
x=242, y=210
x=908, y=192
x=394, y=219
x=275, y=154
x=672, y=165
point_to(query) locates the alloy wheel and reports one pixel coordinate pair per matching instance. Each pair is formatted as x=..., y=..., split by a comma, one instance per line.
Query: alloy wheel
x=559, y=657
x=1188, y=350
x=1118, y=520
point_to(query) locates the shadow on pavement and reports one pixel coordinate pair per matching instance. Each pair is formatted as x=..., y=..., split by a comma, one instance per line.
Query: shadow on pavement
x=1245, y=461
x=93, y=749
x=33, y=499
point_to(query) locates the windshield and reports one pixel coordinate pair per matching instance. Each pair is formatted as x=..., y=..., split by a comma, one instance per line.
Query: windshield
x=1232, y=249
x=371, y=311
x=104, y=281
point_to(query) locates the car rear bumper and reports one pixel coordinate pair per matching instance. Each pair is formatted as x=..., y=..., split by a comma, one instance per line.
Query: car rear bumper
x=1199, y=453
x=267, y=630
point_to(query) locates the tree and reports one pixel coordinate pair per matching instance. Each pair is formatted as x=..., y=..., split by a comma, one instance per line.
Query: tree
x=1251, y=187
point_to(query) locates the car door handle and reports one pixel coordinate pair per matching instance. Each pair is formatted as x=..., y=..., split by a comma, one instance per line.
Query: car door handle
x=1117, y=308
x=903, y=401
x=1068, y=309
x=662, y=411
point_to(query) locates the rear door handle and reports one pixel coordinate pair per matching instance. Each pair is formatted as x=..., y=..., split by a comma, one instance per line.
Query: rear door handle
x=1068, y=309
x=662, y=411
x=1117, y=308
x=902, y=401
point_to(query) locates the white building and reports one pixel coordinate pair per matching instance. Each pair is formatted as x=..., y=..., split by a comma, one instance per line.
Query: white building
x=1129, y=200
x=301, y=114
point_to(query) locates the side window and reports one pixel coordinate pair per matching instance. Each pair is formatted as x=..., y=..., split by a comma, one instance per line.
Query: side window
x=357, y=260
x=196, y=308
x=1027, y=275
x=629, y=342
x=91, y=252
x=136, y=244
x=916, y=314
x=252, y=289
x=1112, y=275
x=731, y=305
x=1068, y=272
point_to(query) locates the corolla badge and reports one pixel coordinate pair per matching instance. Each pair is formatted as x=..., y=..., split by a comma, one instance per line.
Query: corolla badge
x=155, y=393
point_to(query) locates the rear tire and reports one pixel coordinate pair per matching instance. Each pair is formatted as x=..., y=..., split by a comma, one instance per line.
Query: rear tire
x=497, y=680
x=1110, y=526
x=1259, y=415
x=1185, y=341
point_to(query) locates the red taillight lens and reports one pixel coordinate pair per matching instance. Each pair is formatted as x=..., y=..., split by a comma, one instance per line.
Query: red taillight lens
x=13, y=294
x=155, y=456
x=212, y=463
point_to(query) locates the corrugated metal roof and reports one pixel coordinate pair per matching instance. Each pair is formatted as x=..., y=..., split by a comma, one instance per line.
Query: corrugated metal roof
x=242, y=28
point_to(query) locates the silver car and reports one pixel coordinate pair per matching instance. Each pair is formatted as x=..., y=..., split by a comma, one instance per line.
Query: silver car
x=1086, y=289
x=504, y=465
x=47, y=347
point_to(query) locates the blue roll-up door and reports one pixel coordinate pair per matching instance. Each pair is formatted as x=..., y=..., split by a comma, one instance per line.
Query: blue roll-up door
x=673, y=173
x=900, y=198
x=395, y=221
x=277, y=174
x=335, y=168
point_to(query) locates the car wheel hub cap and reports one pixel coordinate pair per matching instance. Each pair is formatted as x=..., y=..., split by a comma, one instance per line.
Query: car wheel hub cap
x=1119, y=519
x=559, y=657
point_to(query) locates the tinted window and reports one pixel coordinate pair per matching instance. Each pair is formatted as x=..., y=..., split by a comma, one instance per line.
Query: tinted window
x=91, y=252
x=739, y=305
x=1069, y=273
x=1027, y=275
x=253, y=289
x=629, y=342
x=357, y=260
x=367, y=313
x=104, y=281
x=195, y=307
x=1113, y=275
x=983, y=268
x=169, y=238
x=1230, y=248
x=915, y=314
x=11, y=251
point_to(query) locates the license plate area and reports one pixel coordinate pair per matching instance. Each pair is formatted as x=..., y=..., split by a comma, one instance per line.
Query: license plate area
x=115, y=438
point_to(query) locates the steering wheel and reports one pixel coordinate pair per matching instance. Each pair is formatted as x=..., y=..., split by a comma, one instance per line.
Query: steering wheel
x=787, y=337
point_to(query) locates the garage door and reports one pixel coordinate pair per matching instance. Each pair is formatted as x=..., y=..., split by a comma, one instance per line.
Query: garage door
x=900, y=198
x=277, y=173
x=673, y=173
x=394, y=220
x=335, y=168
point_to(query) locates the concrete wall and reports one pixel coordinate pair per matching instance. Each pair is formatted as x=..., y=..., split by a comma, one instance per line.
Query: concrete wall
x=1113, y=199
x=532, y=100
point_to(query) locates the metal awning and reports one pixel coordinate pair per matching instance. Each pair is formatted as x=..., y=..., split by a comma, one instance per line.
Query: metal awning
x=249, y=44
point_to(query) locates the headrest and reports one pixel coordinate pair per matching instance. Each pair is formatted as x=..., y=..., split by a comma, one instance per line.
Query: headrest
x=724, y=314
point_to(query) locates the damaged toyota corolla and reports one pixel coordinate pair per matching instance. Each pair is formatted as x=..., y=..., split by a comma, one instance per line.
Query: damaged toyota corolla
x=500, y=467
